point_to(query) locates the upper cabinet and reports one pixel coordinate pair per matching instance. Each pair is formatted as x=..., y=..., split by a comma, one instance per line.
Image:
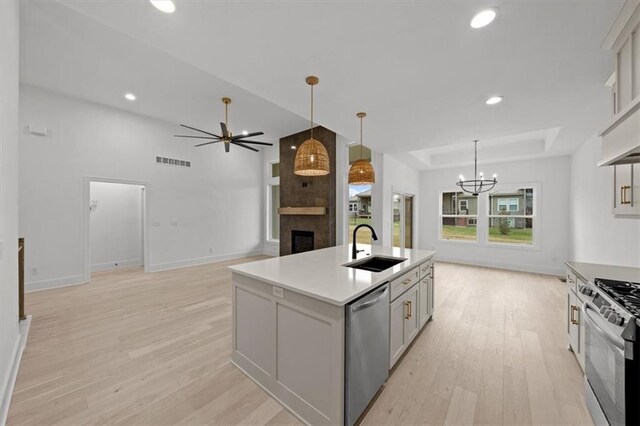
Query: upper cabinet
x=621, y=135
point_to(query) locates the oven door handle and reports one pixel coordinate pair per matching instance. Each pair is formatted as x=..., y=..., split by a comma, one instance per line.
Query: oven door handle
x=618, y=343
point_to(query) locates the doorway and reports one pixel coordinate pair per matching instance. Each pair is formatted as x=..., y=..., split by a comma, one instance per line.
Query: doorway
x=115, y=223
x=402, y=231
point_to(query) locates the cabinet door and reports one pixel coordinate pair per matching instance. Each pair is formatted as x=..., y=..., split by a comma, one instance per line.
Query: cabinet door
x=423, y=304
x=573, y=322
x=411, y=319
x=396, y=330
x=626, y=189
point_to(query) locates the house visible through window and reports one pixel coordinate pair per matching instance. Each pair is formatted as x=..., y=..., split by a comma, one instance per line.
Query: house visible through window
x=512, y=216
x=458, y=216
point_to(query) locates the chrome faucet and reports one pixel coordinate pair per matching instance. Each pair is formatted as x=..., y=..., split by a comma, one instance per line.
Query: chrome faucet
x=354, y=251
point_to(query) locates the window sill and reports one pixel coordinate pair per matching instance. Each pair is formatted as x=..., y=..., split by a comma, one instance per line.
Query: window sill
x=492, y=245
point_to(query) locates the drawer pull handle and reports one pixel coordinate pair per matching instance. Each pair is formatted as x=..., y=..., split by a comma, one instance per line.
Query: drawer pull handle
x=574, y=308
x=407, y=281
x=407, y=314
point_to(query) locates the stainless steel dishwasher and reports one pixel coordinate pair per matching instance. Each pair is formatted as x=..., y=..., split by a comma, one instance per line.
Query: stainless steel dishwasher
x=366, y=350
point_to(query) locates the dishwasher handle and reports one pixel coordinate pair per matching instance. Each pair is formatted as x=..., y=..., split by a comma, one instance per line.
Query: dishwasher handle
x=381, y=295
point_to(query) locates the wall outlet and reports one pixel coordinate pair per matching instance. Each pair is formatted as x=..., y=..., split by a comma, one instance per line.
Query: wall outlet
x=278, y=292
x=34, y=271
x=210, y=250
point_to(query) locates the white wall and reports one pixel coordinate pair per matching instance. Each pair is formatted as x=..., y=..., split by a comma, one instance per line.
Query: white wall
x=596, y=235
x=393, y=176
x=552, y=217
x=9, y=337
x=205, y=213
x=116, y=225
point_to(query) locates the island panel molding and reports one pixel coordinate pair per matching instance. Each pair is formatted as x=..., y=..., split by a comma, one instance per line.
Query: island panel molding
x=289, y=322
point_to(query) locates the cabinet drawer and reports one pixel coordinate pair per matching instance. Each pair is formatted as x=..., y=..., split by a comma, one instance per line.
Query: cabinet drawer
x=404, y=282
x=425, y=269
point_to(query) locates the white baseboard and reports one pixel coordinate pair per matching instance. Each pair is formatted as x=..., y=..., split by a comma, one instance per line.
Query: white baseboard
x=116, y=264
x=271, y=249
x=16, y=356
x=54, y=283
x=537, y=269
x=202, y=260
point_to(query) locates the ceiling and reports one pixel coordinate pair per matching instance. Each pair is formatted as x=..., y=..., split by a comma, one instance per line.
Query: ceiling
x=417, y=68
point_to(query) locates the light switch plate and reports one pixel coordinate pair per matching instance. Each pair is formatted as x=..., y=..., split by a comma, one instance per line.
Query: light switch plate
x=278, y=292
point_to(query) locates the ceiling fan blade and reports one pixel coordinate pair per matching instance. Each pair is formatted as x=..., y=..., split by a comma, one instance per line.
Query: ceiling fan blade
x=227, y=145
x=244, y=146
x=255, y=142
x=248, y=135
x=207, y=143
x=198, y=130
x=195, y=137
x=225, y=132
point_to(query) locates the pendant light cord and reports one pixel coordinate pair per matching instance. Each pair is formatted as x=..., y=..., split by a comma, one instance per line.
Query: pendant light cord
x=361, y=137
x=312, y=111
x=226, y=115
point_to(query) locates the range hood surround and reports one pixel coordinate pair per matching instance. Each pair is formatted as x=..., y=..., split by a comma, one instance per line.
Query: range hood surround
x=621, y=137
x=307, y=203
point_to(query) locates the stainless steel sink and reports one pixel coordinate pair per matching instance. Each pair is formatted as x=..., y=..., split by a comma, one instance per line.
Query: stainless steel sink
x=375, y=263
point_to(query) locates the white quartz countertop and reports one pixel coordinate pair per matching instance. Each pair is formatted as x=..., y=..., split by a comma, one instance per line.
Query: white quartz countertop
x=590, y=271
x=320, y=273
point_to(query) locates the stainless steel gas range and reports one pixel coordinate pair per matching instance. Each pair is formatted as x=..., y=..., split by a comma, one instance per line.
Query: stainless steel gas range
x=612, y=351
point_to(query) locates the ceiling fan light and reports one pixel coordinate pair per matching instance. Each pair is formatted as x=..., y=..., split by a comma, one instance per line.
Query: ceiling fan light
x=312, y=159
x=361, y=172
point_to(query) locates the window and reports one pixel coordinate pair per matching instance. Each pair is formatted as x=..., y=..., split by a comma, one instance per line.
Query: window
x=273, y=201
x=508, y=204
x=458, y=216
x=512, y=216
x=274, y=216
x=360, y=199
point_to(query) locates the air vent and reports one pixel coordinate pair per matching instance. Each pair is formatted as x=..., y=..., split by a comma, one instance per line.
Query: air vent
x=172, y=162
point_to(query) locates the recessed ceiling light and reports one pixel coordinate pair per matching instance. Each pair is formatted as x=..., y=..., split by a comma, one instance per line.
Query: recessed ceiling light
x=130, y=97
x=483, y=18
x=494, y=100
x=165, y=6
x=245, y=133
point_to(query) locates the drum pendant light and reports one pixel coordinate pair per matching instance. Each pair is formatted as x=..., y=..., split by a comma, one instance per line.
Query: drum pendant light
x=312, y=158
x=361, y=171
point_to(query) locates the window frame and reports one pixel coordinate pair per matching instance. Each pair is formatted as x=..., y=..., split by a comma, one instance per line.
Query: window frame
x=483, y=216
x=535, y=244
x=271, y=182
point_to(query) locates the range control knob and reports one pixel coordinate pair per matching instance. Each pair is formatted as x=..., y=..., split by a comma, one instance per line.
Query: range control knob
x=609, y=313
x=613, y=318
x=619, y=320
x=586, y=290
x=604, y=310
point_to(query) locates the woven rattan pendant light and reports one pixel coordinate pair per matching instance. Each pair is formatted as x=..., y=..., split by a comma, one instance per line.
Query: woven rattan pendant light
x=361, y=171
x=312, y=158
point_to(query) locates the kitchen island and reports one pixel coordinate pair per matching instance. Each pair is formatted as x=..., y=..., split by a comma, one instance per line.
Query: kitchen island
x=289, y=319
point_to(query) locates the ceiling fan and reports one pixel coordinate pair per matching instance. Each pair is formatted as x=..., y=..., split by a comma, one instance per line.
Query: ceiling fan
x=227, y=137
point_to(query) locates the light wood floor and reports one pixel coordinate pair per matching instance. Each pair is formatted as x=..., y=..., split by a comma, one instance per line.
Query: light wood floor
x=135, y=348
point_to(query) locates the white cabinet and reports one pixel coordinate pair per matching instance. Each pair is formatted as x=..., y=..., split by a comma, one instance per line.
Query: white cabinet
x=403, y=323
x=575, y=323
x=626, y=190
x=425, y=304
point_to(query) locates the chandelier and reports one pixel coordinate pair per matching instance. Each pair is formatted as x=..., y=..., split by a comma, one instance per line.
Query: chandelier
x=478, y=184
